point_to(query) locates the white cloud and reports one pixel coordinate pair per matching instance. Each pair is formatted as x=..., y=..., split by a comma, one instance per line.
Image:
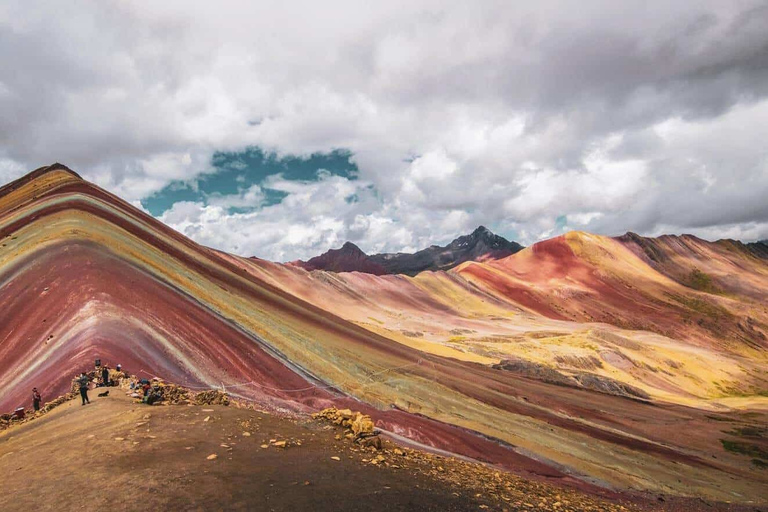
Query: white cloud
x=251, y=197
x=615, y=116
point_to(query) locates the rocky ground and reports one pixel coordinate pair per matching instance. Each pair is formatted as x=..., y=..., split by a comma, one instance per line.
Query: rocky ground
x=121, y=455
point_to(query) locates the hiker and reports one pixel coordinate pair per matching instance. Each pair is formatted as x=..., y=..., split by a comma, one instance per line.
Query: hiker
x=36, y=398
x=83, y=382
x=153, y=396
x=119, y=367
x=105, y=375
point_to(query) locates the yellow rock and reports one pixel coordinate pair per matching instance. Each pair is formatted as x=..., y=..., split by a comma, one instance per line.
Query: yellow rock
x=377, y=460
x=212, y=456
x=346, y=414
x=363, y=424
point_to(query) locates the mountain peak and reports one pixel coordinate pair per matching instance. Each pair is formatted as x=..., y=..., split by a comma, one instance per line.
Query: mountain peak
x=37, y=183
x=480, y=245
x=348, y=258
x=483, y=241
x=349, y=247
x=37, y=174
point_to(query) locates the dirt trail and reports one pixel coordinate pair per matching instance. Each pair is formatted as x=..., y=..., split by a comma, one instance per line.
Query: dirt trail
x=125, y=456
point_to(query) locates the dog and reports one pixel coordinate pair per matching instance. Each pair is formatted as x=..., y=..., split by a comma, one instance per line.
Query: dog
x=106, y=393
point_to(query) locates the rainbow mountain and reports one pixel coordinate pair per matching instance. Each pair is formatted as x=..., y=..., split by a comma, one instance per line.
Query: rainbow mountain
x=613, y=362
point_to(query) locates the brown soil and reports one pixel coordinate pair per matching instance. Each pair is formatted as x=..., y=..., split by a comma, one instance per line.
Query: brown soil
x=117, y=455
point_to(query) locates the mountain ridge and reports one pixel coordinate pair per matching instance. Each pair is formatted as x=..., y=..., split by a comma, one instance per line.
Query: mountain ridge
x=480, y=245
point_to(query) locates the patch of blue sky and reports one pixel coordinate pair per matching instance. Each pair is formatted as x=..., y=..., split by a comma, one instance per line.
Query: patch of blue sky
x=236, y=172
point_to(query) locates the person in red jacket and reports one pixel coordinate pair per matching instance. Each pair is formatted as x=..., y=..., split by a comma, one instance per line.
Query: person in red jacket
x=36, y=399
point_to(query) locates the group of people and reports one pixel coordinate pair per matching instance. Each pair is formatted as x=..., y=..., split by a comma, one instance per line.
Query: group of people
x=143, y=388
x=84, y=381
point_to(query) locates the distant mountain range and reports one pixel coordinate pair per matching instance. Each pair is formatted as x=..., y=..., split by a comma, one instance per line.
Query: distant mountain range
x=480, y=245
x=759, y=248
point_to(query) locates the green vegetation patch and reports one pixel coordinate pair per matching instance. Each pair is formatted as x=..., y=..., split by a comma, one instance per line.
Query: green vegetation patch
x=742, y=448
x=705, y=313
x=698, y=280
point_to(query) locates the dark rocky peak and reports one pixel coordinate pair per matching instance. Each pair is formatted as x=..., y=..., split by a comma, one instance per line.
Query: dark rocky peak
x=482, y=240
x=349, y=258
x=480, y=245
x=349, y=248
x=492, y=240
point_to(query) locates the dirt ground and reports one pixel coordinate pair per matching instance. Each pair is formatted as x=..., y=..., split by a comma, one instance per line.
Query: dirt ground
x=117, y=455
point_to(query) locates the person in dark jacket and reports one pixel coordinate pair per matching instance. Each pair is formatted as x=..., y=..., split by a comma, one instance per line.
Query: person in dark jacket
x=36, y=399
x=83, y=381
x=105, y=375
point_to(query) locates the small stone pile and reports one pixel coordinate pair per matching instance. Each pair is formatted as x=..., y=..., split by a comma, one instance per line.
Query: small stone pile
x=57, y=402
x=360, y=427
x=211, y=397
x=174, y=395
x=168, y=394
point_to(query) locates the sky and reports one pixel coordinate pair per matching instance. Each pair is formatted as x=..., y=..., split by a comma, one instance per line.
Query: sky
x=282, y=129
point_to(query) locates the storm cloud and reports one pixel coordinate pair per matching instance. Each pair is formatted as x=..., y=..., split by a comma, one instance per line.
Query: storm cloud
x=532, y=118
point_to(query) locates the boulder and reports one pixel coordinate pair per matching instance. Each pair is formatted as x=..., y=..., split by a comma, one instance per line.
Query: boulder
x=362, y=425
x=371, y=442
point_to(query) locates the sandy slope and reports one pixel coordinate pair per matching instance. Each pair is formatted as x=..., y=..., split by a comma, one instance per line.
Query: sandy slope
x=117, y=454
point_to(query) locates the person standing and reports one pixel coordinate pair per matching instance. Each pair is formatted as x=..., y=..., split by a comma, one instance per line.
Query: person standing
x=36, y=399
x=105, y=375
x=83, y=382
